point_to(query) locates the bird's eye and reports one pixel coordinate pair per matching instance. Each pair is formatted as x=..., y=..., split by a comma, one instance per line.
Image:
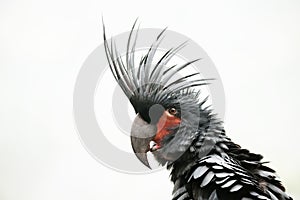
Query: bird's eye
x=173, y=111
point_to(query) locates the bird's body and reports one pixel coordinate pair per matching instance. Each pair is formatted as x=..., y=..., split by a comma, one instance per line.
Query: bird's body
x=214, y=167
x=189, y=139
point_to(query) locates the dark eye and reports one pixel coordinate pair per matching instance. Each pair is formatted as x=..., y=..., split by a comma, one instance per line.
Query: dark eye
x=173, y=111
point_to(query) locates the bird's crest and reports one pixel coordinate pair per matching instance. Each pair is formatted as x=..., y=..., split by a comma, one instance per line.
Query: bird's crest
x=149, y=80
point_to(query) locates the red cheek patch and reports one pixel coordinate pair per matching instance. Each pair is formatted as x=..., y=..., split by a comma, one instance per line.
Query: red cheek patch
x=165, y=122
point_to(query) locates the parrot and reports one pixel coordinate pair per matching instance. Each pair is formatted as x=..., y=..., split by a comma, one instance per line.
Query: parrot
x=182, y=133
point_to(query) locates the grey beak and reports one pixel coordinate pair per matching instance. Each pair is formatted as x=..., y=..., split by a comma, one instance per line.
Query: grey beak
x=141, y=135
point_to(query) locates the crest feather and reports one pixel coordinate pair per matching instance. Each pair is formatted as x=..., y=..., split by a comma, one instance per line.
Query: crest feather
x=148, y=78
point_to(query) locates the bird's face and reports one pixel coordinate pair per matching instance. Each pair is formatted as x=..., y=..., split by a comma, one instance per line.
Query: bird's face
x=153, y=123
x=165, y=128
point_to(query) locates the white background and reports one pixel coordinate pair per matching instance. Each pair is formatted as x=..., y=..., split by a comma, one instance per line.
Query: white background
x=254, y=44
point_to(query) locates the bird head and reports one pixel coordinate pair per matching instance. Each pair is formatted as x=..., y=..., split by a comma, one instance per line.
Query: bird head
x=167, y=108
